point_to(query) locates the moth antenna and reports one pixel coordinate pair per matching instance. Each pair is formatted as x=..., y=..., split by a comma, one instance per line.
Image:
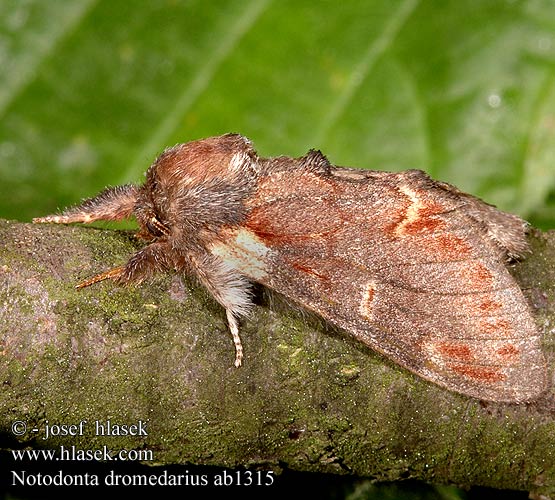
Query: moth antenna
x=113, y=203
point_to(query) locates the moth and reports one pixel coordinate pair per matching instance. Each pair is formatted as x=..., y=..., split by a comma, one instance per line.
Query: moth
x=412, y=267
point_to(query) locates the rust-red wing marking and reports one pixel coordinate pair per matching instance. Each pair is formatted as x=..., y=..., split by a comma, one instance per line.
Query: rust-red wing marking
x=416, y=215
x=426, y=219
x=459, y=351
x=446, y=246
x=423, y=224
x=261, y=221
x=509, y=351
x=478, y=373
x=489, y=306
x=399, y=215
x=466, y=354
x=308, y=270
x=476, y=276
x=495, y=326
x=274, y=238
x=473, y=359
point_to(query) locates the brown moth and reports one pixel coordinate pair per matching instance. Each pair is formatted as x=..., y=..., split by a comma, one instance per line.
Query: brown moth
x=412, y=267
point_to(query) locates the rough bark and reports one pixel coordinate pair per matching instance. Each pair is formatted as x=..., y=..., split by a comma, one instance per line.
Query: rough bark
x=307, y=398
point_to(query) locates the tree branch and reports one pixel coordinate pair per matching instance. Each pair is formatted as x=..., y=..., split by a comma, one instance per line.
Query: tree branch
x=307, y=398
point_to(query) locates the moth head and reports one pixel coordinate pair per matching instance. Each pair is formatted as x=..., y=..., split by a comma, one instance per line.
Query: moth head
x=191, y=183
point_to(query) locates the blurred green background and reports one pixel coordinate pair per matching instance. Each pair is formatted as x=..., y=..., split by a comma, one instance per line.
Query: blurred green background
x=92, y=90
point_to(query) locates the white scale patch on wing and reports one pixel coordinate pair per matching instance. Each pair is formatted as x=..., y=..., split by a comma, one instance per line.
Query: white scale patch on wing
x=366, y=304
x=412, y=213
x=245, y=252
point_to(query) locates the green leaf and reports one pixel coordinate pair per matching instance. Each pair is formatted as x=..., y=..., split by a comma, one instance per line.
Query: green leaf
x=91, y=91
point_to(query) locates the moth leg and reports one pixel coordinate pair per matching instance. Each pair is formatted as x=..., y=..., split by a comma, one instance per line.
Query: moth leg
x=230, y=289
x=113, y=203
x=234, y=329
x=146, y=262
x=111, y=274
